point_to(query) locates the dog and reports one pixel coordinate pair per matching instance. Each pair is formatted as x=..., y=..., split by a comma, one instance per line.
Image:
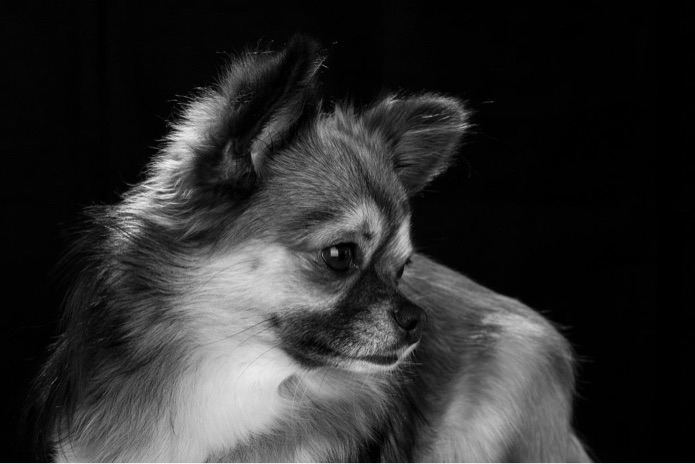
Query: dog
x=257, y=297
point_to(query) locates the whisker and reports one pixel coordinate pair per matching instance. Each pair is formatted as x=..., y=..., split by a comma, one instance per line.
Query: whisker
x=322, y=379
x=296, y=387
x=257, y=358
x=249, y=338
x=364, y=381
x=303, y=394
x=226, y=337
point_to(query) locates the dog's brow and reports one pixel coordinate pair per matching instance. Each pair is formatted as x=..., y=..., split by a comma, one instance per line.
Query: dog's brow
x=400, y=241
x=316, y=218
x=361, y=223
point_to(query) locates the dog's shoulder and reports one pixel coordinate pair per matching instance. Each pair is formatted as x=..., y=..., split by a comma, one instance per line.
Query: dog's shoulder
x=501, y=374
x=454, y=303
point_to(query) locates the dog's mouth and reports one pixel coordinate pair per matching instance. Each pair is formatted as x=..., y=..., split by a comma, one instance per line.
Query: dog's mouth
x=383, y=360
x=319, y=355
x=377, y=362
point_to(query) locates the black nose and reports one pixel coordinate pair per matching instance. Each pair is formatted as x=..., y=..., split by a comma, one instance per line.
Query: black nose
x=411, y=319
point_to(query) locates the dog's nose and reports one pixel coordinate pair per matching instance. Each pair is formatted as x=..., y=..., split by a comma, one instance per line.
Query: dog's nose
x=411, y=319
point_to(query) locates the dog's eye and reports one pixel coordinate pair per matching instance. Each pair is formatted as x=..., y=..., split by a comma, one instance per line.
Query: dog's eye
x=338, y=257
x=399, y=274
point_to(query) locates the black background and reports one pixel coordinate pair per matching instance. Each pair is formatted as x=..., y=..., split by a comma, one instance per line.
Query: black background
x=555, y=200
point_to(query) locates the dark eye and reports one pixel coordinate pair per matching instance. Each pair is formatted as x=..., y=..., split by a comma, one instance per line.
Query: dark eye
x=399, y=274
x=338, y=257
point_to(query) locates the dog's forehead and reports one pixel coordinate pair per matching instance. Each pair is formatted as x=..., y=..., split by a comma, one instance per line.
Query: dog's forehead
x=339, y=183
x=374, y=230
x=364, y=218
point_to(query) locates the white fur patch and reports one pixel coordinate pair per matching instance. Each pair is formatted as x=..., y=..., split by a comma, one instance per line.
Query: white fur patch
x=228, y=399
x=231, y=390
x=401, y=245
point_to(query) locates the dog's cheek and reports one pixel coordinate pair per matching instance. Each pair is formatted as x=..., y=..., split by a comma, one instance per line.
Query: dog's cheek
x=303, y=336
x=243, y=287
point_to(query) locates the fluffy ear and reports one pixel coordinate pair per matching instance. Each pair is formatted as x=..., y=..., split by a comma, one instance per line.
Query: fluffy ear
x=257, y=106
x=423, y=133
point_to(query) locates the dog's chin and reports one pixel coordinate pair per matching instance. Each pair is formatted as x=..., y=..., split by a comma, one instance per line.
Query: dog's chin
x=372, y=363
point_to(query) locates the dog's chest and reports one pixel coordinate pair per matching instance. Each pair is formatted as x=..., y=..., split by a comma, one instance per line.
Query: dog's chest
x=335, y=430
x=285, y=446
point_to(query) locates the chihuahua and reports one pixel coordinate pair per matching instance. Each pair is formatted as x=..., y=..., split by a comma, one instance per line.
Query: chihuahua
x=257, y=297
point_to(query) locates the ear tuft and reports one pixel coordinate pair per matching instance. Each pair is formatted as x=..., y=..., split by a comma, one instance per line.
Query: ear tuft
x=259, y=104
x=423, y=133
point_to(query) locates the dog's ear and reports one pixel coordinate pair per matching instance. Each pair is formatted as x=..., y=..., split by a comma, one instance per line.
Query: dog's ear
x=258, y=105
x=423, y=134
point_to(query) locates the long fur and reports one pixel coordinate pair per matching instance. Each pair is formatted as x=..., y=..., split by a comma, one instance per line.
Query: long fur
x=202, y=323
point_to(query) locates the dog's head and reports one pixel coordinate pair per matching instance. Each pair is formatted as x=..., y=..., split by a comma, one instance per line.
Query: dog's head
x=305, y=214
